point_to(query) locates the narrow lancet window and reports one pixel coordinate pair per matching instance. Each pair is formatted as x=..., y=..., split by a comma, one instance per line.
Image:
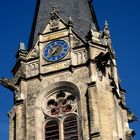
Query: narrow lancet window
x=71, y=128
x=52, y=130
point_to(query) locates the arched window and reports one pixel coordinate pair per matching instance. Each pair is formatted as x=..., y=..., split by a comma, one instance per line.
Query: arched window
x=52, y=130
x=61, y=114
x=71, y=128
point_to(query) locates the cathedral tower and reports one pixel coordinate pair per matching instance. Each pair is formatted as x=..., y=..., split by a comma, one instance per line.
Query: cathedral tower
x=66, y=84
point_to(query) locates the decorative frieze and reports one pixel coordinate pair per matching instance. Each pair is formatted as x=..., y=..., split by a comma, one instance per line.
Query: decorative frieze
x=80, y=56
x=53, y=36
x=32, y=70
x=56, y=66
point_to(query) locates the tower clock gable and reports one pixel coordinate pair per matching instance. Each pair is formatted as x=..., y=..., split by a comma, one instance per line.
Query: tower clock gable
x=58, y=46
x=83, y=9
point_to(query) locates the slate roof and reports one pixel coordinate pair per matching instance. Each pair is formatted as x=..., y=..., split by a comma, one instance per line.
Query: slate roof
x=81, y=11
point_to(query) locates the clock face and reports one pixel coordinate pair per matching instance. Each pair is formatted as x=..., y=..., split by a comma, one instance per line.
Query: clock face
x=56, y=50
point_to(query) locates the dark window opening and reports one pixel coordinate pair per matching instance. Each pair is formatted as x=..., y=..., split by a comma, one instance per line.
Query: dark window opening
x=52, y=130
x=71, y=128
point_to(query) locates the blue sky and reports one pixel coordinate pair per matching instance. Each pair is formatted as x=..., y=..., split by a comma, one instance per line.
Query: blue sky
x=124, y=20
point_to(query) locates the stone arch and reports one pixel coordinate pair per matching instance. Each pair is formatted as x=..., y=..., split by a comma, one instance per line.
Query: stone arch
x=41, y=99
x=84, y=56
x=80, y=60
x=56, y=86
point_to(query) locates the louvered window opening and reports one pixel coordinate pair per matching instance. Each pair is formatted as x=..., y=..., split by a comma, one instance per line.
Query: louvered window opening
x=71, y=128
x=52, y=130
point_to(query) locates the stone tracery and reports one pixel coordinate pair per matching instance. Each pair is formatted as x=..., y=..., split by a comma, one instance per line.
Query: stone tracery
x=60, y=104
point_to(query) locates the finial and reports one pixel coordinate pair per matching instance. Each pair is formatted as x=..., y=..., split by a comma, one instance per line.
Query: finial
x=106, y=23
x=106, y=29
x=54, y=22
x=105, y=36
x=22, y=46
x=54, y=12
x=70, y=21
x=53, y=7
x=70, y=18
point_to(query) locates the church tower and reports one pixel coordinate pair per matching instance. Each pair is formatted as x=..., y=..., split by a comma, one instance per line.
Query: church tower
x=66, y=84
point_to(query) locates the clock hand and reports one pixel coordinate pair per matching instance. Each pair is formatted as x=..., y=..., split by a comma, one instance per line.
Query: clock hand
x=54, y=51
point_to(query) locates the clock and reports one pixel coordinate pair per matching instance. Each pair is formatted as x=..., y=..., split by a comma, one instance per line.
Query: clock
x=56, y=50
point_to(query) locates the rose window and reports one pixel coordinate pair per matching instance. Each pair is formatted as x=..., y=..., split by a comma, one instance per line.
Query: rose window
x=61, y=103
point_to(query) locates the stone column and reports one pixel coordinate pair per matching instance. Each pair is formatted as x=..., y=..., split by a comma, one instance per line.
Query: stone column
x=39, y=123
x=93, y=109
x=61, y=127
x=20, y=121
x=11, y=115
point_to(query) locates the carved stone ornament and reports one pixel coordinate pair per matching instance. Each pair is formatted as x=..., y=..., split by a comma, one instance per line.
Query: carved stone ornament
x=93, y=36
x=101, y=63
x=35, y=53
x=130, y=134
x=9, y=84
x=100, y=75
x=32, y=70
x=70, y=21
x=131, y=116
x=23, y=71
x=54, y=22
x=76, y=42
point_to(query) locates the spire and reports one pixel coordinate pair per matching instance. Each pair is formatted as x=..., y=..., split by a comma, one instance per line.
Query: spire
x=81, y=11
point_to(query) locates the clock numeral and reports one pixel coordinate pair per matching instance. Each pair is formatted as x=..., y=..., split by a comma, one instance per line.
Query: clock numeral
x=63, y=54
x=48, y=47
x=59, y=43
x=65, y=46
x=62, y=43
x=65, y=50
x=53, y=58
x=53, y=43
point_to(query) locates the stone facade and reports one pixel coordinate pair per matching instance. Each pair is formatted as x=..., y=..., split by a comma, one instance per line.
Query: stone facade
x=83, y=85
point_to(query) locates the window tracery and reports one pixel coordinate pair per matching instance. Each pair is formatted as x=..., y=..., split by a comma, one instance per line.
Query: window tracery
x=61, y=105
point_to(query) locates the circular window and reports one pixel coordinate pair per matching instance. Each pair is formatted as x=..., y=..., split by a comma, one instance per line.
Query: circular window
x=61, y=103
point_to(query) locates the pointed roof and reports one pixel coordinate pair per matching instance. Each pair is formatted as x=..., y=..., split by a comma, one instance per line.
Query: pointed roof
x=81, y=11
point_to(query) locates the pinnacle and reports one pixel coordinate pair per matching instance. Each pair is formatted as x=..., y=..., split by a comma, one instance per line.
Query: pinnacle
x=22, y=46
